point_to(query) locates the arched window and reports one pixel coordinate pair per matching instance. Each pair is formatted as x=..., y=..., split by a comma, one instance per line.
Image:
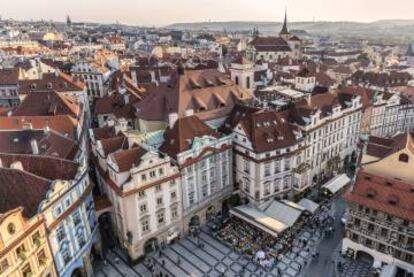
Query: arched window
x=403, y=158
x=248, y=82
x=237, y=80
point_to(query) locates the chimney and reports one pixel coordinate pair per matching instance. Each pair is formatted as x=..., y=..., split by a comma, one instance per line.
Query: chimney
x=309, y=98
x=35, y=147
x=172, y=118
x=189, y=112
x=126, y=98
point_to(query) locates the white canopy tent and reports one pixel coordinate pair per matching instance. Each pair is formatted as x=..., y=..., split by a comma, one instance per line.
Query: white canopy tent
x=272, y=217
x=308, y=205
x=337, y=183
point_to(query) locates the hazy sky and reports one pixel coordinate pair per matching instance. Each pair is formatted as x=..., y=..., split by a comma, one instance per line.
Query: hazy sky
x=163, y=12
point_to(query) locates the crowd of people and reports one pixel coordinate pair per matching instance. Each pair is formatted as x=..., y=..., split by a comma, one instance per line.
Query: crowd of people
x=266, y=249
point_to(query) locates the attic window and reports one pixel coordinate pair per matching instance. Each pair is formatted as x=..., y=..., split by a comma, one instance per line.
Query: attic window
x=258, y=125
x=269, y=140
x=393, y=200
x=367, y=178
x=403, y=158
x=388, y=183
x=280, y=137
x=49, y=85
x=371, y=193
x=33, y=86
x=275, y=122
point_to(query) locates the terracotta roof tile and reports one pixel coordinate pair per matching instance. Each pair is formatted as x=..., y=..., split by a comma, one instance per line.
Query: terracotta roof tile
x=387, y=195
x=21, y=189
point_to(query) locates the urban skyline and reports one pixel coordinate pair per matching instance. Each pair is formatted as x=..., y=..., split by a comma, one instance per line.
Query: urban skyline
x=158, y=12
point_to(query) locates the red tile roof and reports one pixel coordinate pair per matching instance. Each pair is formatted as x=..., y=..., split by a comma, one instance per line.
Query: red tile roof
x=268, y=130
x=48, y=103
x=126, y=159
x=387, y=195
x=180, y=137
x=49, y=143
x=21, y=189
x=209, y=93
x=383, y=147
x=9, y=76
x=43, y=166
x=63, y=124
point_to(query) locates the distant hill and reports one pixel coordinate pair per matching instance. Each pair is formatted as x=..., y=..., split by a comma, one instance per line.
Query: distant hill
x=396, y=29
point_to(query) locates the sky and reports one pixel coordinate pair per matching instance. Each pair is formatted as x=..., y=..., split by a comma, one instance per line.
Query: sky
x=164, y=12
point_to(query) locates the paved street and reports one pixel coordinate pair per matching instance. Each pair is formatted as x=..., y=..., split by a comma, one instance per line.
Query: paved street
x=186, y=258
x=330, y=246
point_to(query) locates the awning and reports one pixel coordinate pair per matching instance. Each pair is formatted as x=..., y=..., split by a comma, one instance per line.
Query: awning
x=259, y=219
x=308, y=205
x=337, y=183
x=273, y=217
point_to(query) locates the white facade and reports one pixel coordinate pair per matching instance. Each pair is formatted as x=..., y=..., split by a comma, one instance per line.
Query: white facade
x=207, y=179
x=93, y=77
x=149, y=206
x=332, y=139
x=69, y=212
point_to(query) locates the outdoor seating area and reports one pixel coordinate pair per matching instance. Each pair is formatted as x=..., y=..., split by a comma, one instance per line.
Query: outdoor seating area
x=270, y=251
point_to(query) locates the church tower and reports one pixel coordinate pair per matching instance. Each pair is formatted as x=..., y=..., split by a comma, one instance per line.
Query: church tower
x=284, y=33
x=68, y=21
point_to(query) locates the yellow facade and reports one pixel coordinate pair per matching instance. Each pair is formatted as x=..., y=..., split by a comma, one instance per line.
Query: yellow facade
x=24, y=248
x=392, y=165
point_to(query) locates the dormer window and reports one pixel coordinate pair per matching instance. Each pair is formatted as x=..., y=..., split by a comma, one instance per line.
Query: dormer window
x=403, y=158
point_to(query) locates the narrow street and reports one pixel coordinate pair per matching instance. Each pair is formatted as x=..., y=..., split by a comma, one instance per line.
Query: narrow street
x=329, y=247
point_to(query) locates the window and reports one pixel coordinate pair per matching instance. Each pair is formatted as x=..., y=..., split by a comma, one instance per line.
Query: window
x=152, y=174
x=4, y=265
x=60, y=233
x=174, y=212
x=277, y=166
x=267, y=169
x=36, y=239
x=158, y=188
x=248, y=82
x=246, y=186
x=267, y=189
x=76, y=218
x=161, y=171
x=143, y=208
x=26, y=270
x=143, y=177
x=160, y=218
x=11, y=228
x=141, y=194
x=236, y=80
x=41, y=258
x=159, y=201
x=287, y=164
x=403, y=158
x=204, y=190
x=191, y=198
x=246, y=166
x=145, y=225
x=173, y=195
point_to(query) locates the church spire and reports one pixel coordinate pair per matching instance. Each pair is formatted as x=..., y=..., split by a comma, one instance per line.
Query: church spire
x=284, y=30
